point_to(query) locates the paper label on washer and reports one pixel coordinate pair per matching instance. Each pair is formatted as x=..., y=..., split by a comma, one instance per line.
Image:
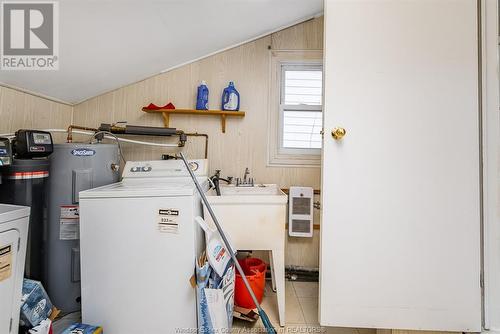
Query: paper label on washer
x=5, y=262
x=69, y=222
x=168, y=220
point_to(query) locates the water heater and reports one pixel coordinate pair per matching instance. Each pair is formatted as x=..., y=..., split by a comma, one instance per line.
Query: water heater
x=73, y=167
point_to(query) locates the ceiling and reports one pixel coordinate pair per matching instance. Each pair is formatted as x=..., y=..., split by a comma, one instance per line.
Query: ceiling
x=105, y=45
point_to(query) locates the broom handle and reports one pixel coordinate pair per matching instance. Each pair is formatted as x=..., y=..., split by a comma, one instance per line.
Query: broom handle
x=221, y=232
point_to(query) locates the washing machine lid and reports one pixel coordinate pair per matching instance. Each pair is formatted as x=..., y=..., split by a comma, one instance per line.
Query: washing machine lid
x=153, y=179
x=145, y=188
x=10, y=212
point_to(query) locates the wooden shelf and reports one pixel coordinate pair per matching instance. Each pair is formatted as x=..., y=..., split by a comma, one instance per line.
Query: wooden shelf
x=221, y=113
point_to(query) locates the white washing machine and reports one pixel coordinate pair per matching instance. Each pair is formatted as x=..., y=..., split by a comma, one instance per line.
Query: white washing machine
x=138, y=244
x=14, y=222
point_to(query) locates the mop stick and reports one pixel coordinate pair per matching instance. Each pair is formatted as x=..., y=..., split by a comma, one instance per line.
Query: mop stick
x=263, y=316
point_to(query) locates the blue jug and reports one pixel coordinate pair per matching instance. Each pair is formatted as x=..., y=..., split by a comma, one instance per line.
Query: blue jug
x=230, y=98
x=202, y=97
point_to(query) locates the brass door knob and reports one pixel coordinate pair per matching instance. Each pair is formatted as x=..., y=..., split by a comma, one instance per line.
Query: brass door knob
x=338, y=133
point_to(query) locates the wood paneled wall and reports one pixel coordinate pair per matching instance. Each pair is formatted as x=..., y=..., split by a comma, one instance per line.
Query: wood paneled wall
x=245, y=142
x=20, y=110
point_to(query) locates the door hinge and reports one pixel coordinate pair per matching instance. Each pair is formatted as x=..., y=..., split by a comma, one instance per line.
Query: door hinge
x=481, y=280
x=18, y=244
x=10, y=325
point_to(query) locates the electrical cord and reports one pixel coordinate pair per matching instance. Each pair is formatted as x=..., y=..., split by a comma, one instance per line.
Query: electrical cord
x=115, y=137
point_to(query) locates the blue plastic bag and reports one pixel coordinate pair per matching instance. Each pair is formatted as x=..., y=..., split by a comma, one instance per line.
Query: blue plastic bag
x=215, y=299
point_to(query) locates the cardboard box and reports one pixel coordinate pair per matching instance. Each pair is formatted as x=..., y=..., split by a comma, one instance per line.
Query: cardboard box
x=36, y=305
x=245, y=313
x=82, y=329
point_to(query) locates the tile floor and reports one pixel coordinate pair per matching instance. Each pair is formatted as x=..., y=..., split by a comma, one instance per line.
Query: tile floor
x=61, y=324
x=301, y=312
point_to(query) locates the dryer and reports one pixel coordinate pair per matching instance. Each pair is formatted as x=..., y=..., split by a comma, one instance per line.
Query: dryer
x=138, y=244
x=14, y=221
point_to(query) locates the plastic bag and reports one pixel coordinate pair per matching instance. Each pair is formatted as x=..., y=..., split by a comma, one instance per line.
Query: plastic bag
x=217, y=254
x=43, y=328
x=215, y=298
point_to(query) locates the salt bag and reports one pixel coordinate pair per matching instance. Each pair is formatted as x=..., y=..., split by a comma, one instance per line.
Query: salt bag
x=217, y=254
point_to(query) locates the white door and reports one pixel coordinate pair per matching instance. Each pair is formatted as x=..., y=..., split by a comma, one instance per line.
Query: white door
x=400, y=234
x=8, y=257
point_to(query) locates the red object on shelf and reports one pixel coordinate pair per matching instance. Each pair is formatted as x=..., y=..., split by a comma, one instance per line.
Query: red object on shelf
x=153, y=106
x=169, y=105
x=255, y=271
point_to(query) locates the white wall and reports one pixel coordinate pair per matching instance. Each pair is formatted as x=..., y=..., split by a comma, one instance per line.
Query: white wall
x=20, y=110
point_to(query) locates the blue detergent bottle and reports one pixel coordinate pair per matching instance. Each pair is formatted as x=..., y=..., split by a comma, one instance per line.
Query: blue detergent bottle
x=230, y=98
x=202, y=97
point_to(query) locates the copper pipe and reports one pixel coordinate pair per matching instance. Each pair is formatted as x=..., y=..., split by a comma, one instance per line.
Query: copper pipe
x=69, y=139
x=196, y=134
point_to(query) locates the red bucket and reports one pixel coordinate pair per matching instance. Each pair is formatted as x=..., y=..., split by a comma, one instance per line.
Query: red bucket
x=255, y=271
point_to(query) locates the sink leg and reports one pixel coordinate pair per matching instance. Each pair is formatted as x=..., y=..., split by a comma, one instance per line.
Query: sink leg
x=273, y=276
x=278, y=260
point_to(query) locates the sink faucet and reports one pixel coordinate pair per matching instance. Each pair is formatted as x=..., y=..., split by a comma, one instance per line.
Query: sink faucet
x=216, y=178
x=247, y=181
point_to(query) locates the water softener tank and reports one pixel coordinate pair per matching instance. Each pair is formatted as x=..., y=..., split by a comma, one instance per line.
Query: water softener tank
x=24, y=182
x=73, y=167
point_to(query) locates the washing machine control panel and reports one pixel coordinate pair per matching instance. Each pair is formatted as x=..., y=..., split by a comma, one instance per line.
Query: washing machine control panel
x=141, y=169
x=164, y=168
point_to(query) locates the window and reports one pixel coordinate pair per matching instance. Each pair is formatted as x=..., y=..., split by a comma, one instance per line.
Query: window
x=301, y=108
x=295, y=111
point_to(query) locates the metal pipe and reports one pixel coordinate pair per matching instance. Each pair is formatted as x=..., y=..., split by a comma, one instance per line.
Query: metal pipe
x=69, y=138
x=196, y=134
x=125, y=140
x=221, y=232
x=138, y=130
x=90, y=131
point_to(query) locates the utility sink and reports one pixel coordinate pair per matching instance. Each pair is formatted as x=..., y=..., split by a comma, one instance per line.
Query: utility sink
x=259, y=208
x=259, y=189
x=254, y=218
